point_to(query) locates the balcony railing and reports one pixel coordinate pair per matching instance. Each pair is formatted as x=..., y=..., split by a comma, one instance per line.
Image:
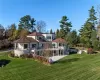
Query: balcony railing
x=41, y=48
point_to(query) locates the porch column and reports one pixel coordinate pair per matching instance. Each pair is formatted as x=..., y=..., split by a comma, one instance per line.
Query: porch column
x=53, y=52
x=57, y=45
x=63, y=52
x=22, y=46
x=29, y=48
x=58, y=52
x=15, y=46
x=39, y=53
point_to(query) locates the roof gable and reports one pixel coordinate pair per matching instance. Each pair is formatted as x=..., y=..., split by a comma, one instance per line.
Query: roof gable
x=25, y=40
x=35, y=34
x=59, y=40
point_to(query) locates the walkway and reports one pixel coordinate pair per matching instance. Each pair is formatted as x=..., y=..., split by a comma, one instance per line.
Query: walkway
x=56, y=58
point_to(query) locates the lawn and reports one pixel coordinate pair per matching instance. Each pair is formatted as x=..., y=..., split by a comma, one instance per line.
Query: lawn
x=72, y=67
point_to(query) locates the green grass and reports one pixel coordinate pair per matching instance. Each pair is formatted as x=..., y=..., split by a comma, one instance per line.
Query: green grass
x=72, y=67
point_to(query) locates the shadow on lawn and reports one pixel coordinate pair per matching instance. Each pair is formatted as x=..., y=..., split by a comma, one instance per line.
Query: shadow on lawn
x=68, y=60
x=4, y=62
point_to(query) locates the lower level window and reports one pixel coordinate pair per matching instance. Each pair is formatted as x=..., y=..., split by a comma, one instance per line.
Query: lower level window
x=25, y=46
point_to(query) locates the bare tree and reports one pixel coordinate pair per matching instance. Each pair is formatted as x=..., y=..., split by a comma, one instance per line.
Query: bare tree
x=41, y=26
x=23, y=33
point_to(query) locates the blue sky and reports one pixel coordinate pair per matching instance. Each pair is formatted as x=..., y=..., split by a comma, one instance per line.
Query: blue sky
x=49, y=11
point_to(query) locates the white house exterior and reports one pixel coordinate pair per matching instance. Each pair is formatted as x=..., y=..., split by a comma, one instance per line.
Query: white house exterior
x=40, y=44
x=48, y=36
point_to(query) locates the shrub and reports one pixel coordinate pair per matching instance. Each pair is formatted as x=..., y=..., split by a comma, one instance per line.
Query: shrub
x=30, y=56
x=42, y=59
x=24, y=56
x=90, y=51
x=11, y=54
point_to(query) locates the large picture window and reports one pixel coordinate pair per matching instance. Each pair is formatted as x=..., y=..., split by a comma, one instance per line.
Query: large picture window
x=25, y=46
x=48, y=37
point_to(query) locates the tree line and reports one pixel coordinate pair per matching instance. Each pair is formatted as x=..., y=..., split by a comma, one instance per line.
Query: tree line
x=26, y=25
x=87, y=34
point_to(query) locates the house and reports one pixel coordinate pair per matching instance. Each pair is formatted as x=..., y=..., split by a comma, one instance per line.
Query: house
x=48, y=36
x=43, y=44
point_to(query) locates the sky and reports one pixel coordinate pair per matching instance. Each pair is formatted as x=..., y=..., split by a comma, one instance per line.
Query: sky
x=50, y=11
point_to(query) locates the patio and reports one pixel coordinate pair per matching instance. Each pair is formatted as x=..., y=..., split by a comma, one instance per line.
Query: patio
x=56, y=58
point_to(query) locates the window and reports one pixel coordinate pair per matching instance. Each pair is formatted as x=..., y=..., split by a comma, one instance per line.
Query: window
x=25, y=46
x=41, y=45
x=39, y=38
x=60, y=44
x=54, y=51
x=33, y=45
x=48, y=37
x=53, y=45
x=63, y=45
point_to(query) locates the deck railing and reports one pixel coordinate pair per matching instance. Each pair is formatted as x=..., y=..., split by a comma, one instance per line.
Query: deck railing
x=38, y=49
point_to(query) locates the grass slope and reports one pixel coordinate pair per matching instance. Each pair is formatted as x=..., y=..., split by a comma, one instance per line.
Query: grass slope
x=72, y=67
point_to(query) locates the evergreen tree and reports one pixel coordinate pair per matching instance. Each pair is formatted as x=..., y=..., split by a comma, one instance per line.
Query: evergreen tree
x=92, y=18
x=95, y=41
x=27, y=23
x=72, y=38
x=65, y=27
x=51, y=31
x=88, y=28
x=57, y=33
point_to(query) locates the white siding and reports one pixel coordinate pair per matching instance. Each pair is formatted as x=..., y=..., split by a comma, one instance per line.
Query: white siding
x=51, y=35
x=34, y=37
x=20, y=46
x=20, y=52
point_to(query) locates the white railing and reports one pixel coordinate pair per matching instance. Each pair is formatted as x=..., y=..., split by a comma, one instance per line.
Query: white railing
x=38, y=49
